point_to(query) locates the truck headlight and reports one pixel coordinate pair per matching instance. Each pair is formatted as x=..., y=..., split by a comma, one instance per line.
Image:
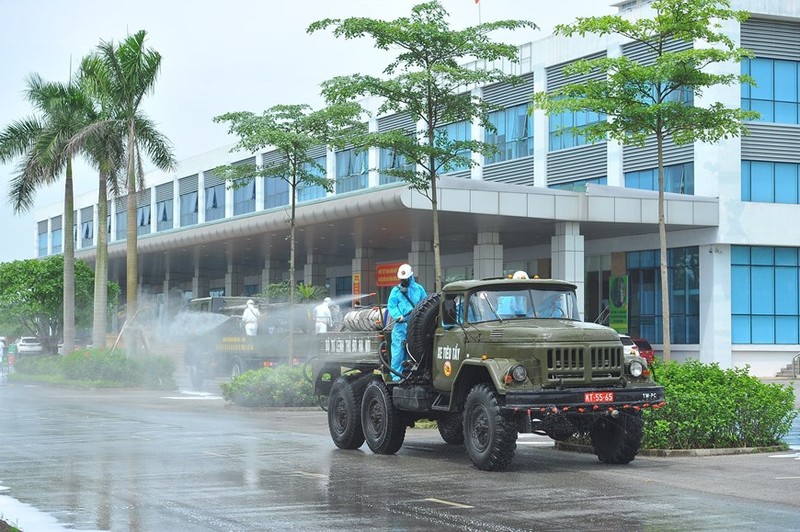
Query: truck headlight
x=636, y=368
x=519, y=373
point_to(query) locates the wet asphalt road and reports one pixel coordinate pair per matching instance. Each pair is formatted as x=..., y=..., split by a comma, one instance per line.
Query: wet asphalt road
x=133, y=460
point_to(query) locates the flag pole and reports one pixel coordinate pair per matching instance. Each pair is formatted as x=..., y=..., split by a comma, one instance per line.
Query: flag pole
x=478, y=2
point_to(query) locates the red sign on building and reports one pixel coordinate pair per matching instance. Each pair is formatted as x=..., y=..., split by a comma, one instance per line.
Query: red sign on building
x=386, y=274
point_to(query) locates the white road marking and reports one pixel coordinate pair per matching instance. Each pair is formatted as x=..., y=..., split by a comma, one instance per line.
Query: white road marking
x=215, y=454
x=306, y=474
x=195, y=396
x=449, y=503
x=787, y=478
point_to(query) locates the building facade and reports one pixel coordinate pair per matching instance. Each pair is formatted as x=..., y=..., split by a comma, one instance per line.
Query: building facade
x=549, y=204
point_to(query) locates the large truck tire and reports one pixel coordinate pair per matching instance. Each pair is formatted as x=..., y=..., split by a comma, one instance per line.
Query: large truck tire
x=384, y=426
x=451, y=428
x=422, y=327
x=490, y=437
x=344, y=412
x=617, y=441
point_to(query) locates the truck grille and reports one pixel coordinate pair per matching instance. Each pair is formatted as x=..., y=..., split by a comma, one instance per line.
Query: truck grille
x=570, y=363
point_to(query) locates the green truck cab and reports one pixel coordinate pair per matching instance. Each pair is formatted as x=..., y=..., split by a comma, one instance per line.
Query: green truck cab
x=489, y=359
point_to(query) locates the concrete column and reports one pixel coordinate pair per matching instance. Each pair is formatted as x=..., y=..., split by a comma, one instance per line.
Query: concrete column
x=228, y=202
x=201, y=203
x=314, y=270
x=364, y=272
x=234, y=280
x=715, y=305
x=566, y=249
x=374, y=156
x=200, y=282
x=271, y=273
x=153, y=211
x=614, y=171
x=478, y=132
x=260, y=189
x=488, y=256
x=176, y=203
x=540, y=133
x=421, y=261
x=112, y=211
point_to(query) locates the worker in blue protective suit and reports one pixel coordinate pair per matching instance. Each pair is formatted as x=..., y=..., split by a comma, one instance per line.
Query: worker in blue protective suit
x=402, y=300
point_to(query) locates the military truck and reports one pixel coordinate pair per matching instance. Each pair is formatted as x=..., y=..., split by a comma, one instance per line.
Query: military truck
x=487, y=359
x=219, y=346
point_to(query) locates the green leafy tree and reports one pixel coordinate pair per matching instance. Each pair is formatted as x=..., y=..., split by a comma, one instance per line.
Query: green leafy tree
x=292, y=131
x=126, y=73
x=645, y=99
x=428, y=81
x=31, y=294
x=41, y=141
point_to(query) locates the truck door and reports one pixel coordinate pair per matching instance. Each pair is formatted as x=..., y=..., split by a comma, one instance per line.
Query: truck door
x=449, y=342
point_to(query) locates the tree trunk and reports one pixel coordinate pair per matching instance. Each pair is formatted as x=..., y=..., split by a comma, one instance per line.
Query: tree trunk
x=69, y=262
x=662, y=241
x=437, y=257
x=131, y=262
x=293, y=190
x=100, y=313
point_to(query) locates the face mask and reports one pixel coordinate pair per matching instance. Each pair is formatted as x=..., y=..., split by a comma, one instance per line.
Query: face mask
x=404, y=283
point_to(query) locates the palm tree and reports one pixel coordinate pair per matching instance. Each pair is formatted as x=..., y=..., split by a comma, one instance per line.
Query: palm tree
x=129, y=72
x=42, y=142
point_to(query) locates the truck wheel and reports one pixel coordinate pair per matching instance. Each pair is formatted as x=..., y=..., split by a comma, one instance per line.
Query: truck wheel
x=617, y=441
x=384, y=427
x=490, y=437
x=344, y=414
x=422, y=327
x=451, y=428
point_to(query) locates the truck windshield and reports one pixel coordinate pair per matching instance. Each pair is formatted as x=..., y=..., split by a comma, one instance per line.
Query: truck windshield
x=494, y=305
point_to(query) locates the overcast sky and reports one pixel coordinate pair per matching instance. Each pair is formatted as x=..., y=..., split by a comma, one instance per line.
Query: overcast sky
x=218, y=56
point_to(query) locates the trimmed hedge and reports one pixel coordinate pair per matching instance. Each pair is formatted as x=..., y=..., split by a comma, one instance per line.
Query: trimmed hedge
x=708, y=407
x=275, y=386
x=99, y=368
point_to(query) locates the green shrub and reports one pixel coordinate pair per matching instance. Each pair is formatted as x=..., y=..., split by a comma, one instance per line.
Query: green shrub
x=708, y=407
x=99, y=368
x=276, y=386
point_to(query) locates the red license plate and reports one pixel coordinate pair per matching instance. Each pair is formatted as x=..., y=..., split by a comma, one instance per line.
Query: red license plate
x=598, y=397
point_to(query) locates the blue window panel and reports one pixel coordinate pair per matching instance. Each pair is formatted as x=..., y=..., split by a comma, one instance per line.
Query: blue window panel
x=785, y=113
x=763, y=182
x=762, y=255
x=762, y=289
x=276, y=192
x=785, y=81
x=762, y=71
x=215, y=202
x=740, y=298
x=766, y=108
x=785, y=183
x=740, y=330
x=740, y=255
x=746, y=188
x=786, y=256
x=745, y=70
x=763, y=329
x=786, y=290
x=786, y=330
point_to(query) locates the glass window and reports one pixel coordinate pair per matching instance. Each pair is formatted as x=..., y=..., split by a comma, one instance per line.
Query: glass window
x=769, y=182
x=391, y=160
x=164, y=213
x=765, y=295
x=445, y=136
x=560, y=128
x=776, y=95
x=352, y=170
x=644, y=318
x=56, y=241
x=244, y=198
x=276, y=192
x=188, y=208
x=122, y=223
x=42, y=244
x=87, y=233
x=143, y=220
x=308, y=192
x=678, y=178
x=514, y=136
x=580, y=185
x=215, y=202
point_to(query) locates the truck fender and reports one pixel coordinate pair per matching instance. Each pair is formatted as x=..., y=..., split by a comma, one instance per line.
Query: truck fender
x=474, y=371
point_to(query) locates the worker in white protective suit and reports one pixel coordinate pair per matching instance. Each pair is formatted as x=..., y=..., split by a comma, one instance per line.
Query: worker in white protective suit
x=322, y=316
x=250, y=318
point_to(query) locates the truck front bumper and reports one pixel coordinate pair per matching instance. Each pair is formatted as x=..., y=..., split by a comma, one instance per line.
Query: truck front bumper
x=584, y=400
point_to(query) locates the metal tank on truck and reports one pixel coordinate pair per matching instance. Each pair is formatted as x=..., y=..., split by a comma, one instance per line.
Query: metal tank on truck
x=487, y=359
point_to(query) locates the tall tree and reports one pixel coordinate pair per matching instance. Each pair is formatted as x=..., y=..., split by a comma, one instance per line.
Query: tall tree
x=655, y=97
x=292, y=131
x=427, y=80
x=130, y=70
x=41, y=141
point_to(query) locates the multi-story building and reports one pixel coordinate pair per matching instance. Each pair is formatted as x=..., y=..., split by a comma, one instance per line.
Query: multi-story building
x=548, y=204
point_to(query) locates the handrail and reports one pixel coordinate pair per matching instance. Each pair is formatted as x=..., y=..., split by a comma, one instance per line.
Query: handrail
x=796, y=366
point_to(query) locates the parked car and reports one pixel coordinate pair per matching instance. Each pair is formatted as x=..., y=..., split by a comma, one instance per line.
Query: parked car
x=29, y=345
x=628, y=345
x=645, y=349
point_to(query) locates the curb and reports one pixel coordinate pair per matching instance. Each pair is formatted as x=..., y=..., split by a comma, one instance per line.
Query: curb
x=666, y=453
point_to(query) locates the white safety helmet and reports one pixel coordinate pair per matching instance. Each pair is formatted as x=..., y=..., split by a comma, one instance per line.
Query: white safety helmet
x=404, y=271
x=520, y=275
x=250, y=302
x=326, y=300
